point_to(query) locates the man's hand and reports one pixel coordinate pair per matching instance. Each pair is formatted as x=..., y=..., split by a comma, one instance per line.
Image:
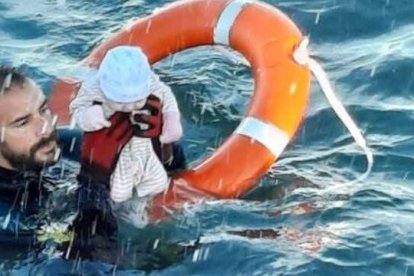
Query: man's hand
x=153, y=119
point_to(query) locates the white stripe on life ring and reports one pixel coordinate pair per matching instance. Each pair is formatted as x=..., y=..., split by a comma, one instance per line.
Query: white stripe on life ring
x=226, y=20
x=273, y=138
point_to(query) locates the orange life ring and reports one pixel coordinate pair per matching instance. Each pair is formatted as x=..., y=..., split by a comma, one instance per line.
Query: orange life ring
x=267, y=38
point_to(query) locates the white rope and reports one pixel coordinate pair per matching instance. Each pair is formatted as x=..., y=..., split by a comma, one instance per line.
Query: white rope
x=301, y=56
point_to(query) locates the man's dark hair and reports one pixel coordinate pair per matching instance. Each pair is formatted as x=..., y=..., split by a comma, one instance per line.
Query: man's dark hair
x=10, y=76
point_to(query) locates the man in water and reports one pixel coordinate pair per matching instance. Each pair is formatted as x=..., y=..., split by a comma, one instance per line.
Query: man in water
x=28, y=147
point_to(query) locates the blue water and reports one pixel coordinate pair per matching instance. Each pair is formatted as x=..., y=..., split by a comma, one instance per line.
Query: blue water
x=327, y=226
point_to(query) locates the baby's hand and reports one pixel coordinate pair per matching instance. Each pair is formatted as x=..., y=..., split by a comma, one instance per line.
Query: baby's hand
x=93, y=119
x=171, y=129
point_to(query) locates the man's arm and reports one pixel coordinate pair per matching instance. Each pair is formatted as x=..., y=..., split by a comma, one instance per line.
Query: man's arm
x=95, y=224
x=100, y=153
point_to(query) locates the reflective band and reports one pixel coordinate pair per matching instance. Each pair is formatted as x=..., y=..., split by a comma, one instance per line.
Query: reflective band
x=273, y=138
x=226, y=20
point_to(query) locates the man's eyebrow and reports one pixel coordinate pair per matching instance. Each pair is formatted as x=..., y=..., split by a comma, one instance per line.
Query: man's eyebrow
x=44, y=103
x=27, y=116
x=24, y=117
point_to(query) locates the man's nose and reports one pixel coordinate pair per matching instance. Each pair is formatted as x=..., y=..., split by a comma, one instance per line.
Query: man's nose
x=46, y=126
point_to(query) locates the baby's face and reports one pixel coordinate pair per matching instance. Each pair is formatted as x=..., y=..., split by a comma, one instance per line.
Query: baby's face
x=126, y=107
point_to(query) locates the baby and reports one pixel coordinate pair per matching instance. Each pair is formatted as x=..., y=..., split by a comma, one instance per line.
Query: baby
x=125, y=82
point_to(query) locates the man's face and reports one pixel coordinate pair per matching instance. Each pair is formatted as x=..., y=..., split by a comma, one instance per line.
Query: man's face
x=27, y=136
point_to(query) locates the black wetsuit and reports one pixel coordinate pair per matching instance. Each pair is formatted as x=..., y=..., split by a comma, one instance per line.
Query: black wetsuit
x=26, y=206
x=22, y=196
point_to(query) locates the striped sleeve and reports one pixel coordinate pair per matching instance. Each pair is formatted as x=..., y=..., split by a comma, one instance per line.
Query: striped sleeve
x=87, y=94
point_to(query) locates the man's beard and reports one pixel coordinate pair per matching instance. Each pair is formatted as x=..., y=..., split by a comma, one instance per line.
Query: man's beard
x=24, y=161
